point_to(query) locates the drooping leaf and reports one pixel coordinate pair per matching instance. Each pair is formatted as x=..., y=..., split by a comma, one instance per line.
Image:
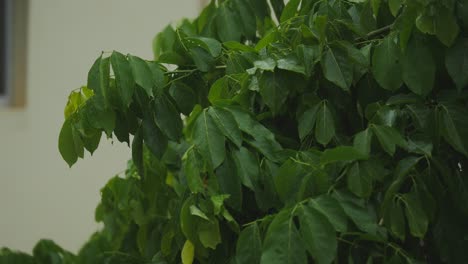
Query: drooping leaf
x=249, y=246
x=330, y=207
x=325, y=124
x=209, y=139
x=66, y=143
x=273, y=92
x=337, y=68
x=289, y=10
x=153, y=137
x=123, y=77
x=342, y=153
x=358, y=181
x=386, y=66
x=142, y=74
x=167, y=117
x=389, y=138
x=282, y=243
x=454, y=127
x=418, y=68
x=318, y=234
x=247, y=167
x=188, y=253
x=417, y=218
x=226, y=124
x=362, y=141
x=307, y=121
x=358, y=211
x=226, y=16
x=456, y=62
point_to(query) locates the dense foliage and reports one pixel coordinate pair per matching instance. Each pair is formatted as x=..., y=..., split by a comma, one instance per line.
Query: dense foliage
x=318, y=131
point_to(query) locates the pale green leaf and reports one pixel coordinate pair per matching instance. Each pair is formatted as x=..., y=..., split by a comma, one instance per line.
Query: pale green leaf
x=188, y=253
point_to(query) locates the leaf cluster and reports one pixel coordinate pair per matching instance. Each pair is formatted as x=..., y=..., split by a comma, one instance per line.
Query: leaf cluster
x=312, y=131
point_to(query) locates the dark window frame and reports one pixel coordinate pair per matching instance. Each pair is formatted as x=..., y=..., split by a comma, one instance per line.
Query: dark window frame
x=14, y=38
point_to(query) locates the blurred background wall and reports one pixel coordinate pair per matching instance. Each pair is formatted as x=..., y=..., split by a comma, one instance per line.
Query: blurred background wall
x=40, y=197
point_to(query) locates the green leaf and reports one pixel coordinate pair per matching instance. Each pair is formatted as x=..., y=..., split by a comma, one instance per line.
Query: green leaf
x=191, y=170
x=247, y=17
x=66, y=143
x=209, y=139
x=329, y=206
x=325, y=125
x=137, y=151
x=247, y=167
x=307, y=121
x=188, y=252
x=389, y=138
x=318, y=235
x=167, y=117
x=403, y=168
x=456, y=62
x=184, y=97
x=288, y=180
x=395, y=220
x=375, y=7
x=203, y=60
x=142, y=74
x=211, y=45
x=282, y=242
x=289, y=10
x=99, y=118
x=417, y=218
x=226, y=16
x=227, y=124
x=362, y=141
x=454, y=127
x=230, y=183
x=219, y=90
x=418, y=68
x=337, y=68
x=153, y=137
x=291, y=63
x=249, y=246
x=308, y=56
x=209, y=234
x=446, y=26
x=123, y=77
x=359, y=182
x=386, y=64
x=342, y=153
x=358, y=211
x=272, y=90
x=395, y=6
x=98, y=80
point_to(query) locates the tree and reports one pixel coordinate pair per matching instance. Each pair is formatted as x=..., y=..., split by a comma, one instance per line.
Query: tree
x=316, y=131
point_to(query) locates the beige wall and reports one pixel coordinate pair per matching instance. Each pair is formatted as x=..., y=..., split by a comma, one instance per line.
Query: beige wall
x=40, y=197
